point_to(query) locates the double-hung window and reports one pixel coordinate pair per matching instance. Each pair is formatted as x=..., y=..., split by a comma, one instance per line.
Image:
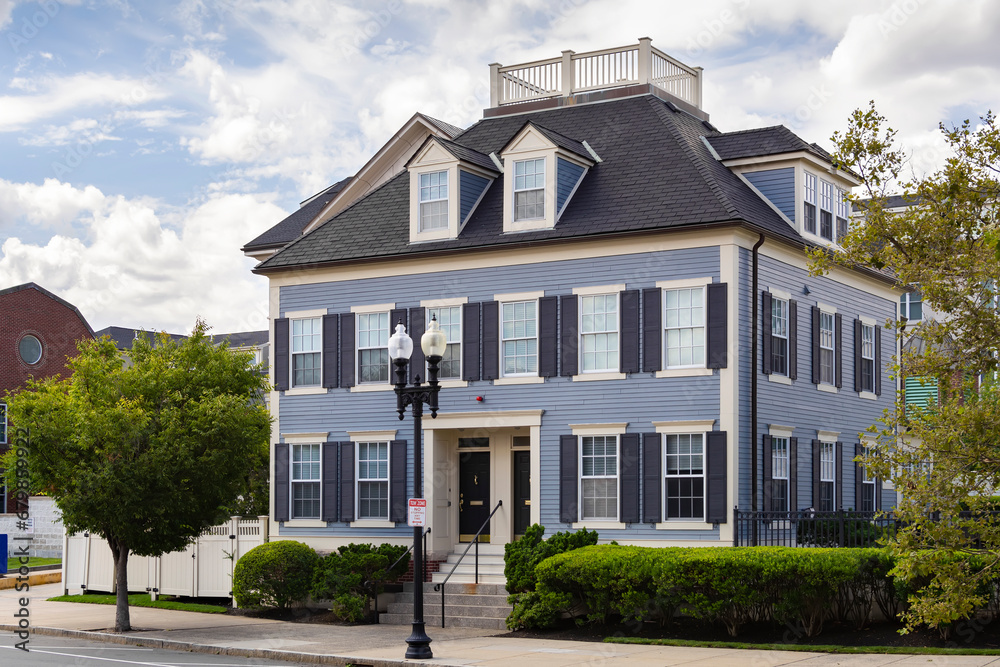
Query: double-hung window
x=529, y=189
x=519, y=338
x=867, y=487
x=685, y=476
x=809, y=202
x=373, y=347
x=449, y=318
x=868, y=358
x=599, y=477
x=827, y=342
x=779, y=474
x=779, y=336
x=841, y=206
x=306, y=352
x=827, y=476
x=911, y=306
x=373, y=480
x=599, y=333
x=305, y=481
x=826, y=209
x=684, y=324
x=434, y=201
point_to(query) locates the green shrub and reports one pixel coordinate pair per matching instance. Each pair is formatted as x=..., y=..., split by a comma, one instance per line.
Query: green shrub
x=274, y=574
x=354, y=575
x=523, y=556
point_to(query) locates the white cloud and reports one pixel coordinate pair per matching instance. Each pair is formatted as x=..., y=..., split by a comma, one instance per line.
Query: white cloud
x=6, y=8
x=81, y=131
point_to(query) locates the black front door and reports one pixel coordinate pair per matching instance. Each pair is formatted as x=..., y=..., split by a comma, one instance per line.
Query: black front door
x=522, y=492
x=473, y=495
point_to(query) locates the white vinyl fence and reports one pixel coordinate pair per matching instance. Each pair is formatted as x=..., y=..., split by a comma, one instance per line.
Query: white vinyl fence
x=203, y=569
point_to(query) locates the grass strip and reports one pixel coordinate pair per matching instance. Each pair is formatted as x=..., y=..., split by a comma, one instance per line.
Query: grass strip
x=813, y=648
x=14, y=563
x=142, y=600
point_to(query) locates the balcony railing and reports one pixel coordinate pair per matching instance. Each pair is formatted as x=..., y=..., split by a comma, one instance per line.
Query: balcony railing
x=595, y=70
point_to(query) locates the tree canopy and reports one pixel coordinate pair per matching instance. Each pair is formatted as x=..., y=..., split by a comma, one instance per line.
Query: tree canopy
x=148, y=447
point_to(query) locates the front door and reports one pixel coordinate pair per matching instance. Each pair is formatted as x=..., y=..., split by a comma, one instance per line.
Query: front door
x=473, y=495
x=522, y=492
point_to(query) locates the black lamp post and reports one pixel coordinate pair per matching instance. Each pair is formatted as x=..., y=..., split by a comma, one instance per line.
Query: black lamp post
x=433, y=343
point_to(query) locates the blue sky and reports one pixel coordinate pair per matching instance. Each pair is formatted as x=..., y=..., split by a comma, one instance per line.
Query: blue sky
x=142, y=144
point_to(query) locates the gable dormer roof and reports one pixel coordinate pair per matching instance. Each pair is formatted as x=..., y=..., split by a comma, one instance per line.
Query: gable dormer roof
x=461, y=153
x=559, y=140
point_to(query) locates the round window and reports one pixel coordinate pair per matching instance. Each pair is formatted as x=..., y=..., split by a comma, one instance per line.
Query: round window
x=30, y=349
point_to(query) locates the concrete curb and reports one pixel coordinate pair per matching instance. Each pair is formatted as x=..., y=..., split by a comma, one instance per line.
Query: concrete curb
x=10, y=581
x=270, y=654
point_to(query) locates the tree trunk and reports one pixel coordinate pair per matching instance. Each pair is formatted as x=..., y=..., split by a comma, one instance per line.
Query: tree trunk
x=120, y=553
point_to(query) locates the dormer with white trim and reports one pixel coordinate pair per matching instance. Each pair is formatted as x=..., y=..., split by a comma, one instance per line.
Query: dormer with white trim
x=447, y=182
x=542, y=170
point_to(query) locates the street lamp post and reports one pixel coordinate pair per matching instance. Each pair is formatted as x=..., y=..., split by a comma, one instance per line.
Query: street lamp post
x=433, y=343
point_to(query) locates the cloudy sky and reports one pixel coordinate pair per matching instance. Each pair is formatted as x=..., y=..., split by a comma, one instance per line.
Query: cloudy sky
x=143, y=143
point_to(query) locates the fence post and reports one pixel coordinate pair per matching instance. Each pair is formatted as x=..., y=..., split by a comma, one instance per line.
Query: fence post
x=736, y=526
x=841, y=526
x=263, y=528
x=568, y=78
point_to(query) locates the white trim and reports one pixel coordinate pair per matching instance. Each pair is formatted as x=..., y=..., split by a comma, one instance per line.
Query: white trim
x=485, y=420
x=827, y=436
x=780, y=431
x=598, y=375
x=729, y=386
x=826, y=308
x=828, y=388
x=372, y=386
x=305, y=523
x=780, y=379
x=685, y=426
x=686, y=371
x=519, y=296
x=684, y=282
x=519, y=379
x=600, y=525
x=682, y=524
x=453, y=383
x=615, y=428
x=372, y=523
x=305, y=314
x=868, y=395
x=599, y=289
x=306, y=390
x=780, y=293
x=375, y=308
x=870, y=321
x=305, y=438
x=372, y=436
x=444, y=303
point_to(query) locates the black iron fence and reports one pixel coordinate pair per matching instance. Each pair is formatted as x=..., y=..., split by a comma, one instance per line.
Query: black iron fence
x=808, y=528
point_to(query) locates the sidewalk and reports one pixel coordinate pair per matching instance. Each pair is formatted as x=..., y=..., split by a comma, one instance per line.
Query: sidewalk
x=384, y=645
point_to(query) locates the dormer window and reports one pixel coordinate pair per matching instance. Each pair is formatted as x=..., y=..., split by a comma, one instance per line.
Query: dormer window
x=824, y=208
x=809, y=203
x=529, y=189
x=434, y=201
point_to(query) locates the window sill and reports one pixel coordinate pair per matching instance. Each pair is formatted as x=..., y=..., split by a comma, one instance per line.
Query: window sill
x=305, y=391
x=599, y=525
x=683, y=525
x=868, y=395
x=780, y=379
x=684, y=372
x=373, y=523
x=589, y=377
x=305, y=523
x=453, y=383
x=828, y=388
x=527, y=379
x=371, y=387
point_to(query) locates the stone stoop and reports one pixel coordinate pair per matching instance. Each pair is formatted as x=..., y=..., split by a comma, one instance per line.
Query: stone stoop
x=491, y=566
x=466, y=606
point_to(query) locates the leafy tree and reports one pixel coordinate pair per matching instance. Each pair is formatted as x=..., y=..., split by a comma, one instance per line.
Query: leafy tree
x=945, y=459
x=145, y=448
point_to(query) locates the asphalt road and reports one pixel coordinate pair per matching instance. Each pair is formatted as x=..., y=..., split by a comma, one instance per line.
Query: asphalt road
x=64, y=652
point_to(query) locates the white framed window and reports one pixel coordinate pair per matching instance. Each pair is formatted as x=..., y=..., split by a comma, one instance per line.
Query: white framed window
x=826, y=209
x=684, y=327
x=779, y=474
x=307, y=352
x=373, y=480
x=519, y=338
x=911, y=306
x=599, y=333
x=305, y=481
x=529, y=189
x=779, y=336
x=449, y=318
x=867, y=486
x=827, y=476
x=433, y=201
x=809, y=202
x=868, y=358
x=685, y=476
x=827, y=349
x=841, y=205
x=3, y=427
x=599, y=477
x=373, y=347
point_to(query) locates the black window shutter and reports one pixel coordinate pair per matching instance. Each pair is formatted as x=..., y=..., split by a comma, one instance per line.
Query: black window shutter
x=330, y=483
x=765, y=336
x=470, y=341
x=548, y=336
x=347, y=481
x=628, y=479
x=793, y=474
x=629, y=350
x=397, y=481
x=568, y=479
x=815, y=474
x=859, y=486
x=281, y=481
x=570, y=334
x=857, y=356
x=331, y=350
x=878, y=362
x=815, y=345
x=768, y=473
x=716, y=505
x=793, y=340
x=491, y=340
x=347, y=351
x=652, y=331
x=416, y=330
x=717, y=344
x=652, y=478
x=281, y=354
x=838, y=331
x=838, y=475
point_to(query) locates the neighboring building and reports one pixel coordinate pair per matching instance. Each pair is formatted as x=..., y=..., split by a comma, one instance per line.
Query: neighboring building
x=590, y=247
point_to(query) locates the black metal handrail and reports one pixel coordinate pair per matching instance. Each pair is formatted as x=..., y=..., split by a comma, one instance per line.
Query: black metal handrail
x=475, y=541
x=372, y=584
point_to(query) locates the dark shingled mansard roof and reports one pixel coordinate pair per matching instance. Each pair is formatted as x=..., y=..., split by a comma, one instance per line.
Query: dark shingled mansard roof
x=291, y=227
x=762, y=141
x=657, y=173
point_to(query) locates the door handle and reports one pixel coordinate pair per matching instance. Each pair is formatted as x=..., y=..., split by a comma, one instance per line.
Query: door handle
x=527, y=502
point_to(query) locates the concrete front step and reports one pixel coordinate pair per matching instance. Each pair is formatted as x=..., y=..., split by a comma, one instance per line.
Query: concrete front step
x=471, y=558
x=459, y=599
x=469, y=579
x=456, y=588
x=432, y=621
x=450, y=610
x=484, y=549
x=470, y=568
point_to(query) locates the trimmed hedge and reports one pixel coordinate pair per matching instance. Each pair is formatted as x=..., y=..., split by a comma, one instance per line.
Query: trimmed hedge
x=523, y=556
x=731, y=586
x=354, y=575
x=274, y=574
